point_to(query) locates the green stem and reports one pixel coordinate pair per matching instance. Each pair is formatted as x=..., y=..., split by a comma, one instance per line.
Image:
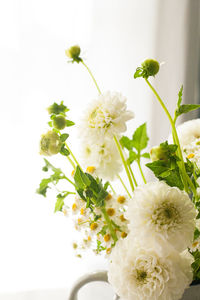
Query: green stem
x=130, y=170
x=92, y=76
x=175, y=136
x=124, y=163
x=74, y=158
x=65, y=177
x=109, y=223
x=139, y=165
x=71, y=162
x=112, y=188
x=124, y=185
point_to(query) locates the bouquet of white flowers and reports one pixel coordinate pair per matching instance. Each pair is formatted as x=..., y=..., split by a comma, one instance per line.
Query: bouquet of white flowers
x=151, y=233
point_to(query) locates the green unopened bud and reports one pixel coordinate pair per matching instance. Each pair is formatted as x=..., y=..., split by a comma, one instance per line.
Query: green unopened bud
x=59, y=122
x=50, y=143
x=57, y=109
x=157, y=153
x=150, y=67
x=74, y=53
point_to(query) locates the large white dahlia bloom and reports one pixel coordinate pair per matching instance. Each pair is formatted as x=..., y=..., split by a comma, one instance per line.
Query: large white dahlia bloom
x=162, y=216
x=104, y=156
x=139, y=273
x=107, y=115
x=189, y=137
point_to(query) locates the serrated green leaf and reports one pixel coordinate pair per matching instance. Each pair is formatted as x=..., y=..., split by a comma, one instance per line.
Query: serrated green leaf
x=140, y=138
x=64, y=137
x=81, y=179
x=185, y=108
x=60, y=201
x=44, y=185
x=69, y=123
x=180, y=95
x=164, y=171
x=126, y=143
x=132, y=156
x=57, y=108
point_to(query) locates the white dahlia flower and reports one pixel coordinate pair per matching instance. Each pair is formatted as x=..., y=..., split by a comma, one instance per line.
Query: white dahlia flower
x=162, y=216
x=189, y=137
x=107, y=115
x=104, y=156
x=139, y=273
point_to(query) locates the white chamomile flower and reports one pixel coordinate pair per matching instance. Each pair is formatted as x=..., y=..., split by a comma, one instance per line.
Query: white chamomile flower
x=189, y=137
x=162, y=215
x=104, y=156
x=140, y=273
x=107, y=115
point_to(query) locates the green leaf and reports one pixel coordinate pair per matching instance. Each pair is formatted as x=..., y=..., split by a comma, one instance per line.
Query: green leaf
x=44, y=185
x=64, y=151
x=196, y=234
x=180, y=96
x=146, y=155
x=132, y=156
x=63, y=137
x=126, y=143
x=138, y=73
x=69, y=123
x=140, y=138
x=81, y=179
x=60, y=201
x=185, y=108
x=166, y=172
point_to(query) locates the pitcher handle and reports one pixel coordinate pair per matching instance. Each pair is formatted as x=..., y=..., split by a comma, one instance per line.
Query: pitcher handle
x=96, y=276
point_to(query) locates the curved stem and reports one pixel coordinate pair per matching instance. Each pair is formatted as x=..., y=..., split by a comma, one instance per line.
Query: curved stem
x=71, y=162
x=65, y=177
x=112, y=188
x=124, y=162
x=175, y=136
x=92, y=76
x=130, y=170
x=124, y=185
x=143, y=177
x=71, y=153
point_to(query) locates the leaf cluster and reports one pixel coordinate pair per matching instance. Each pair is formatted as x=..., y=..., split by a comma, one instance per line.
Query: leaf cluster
x=137, y=144
x=168, y=169
x=52, y=179
x=196, y=265
x=90, y=189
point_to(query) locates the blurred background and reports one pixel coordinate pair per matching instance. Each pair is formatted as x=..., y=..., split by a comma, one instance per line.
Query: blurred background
x=115, y=37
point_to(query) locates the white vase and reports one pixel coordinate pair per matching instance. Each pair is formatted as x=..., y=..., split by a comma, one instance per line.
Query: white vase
x=192, y=293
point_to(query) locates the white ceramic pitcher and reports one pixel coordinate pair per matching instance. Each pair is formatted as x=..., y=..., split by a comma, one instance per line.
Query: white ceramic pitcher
x=193, y=293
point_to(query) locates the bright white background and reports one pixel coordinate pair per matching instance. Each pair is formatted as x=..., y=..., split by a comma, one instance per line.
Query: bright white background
x=116, y=36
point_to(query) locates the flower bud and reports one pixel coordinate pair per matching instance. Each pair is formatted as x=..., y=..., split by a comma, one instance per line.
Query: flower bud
x=59, y=122
x=50, y=143
x=73, y=53
x=150, y=67
x=157, y=153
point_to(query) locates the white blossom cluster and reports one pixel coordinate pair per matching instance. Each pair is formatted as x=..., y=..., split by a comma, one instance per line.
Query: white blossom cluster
x=95, y=234
x=153, y=261
x=105, y=118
